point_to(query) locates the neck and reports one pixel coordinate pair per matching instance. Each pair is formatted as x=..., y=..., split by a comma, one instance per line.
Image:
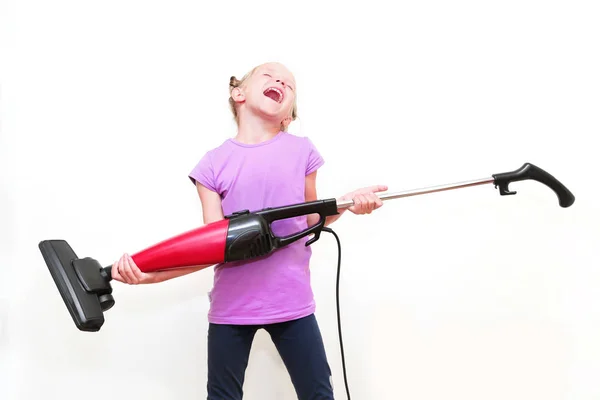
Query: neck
x=252, y=129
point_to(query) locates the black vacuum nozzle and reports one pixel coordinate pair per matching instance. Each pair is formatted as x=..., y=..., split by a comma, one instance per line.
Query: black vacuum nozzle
x=82, y=282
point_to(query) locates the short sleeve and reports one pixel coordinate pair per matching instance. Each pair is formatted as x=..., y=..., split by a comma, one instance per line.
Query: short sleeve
x=203, y=173
x=315, y=160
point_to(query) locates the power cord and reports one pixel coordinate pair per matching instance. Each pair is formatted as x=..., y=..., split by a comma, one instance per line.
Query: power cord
x=337, y=300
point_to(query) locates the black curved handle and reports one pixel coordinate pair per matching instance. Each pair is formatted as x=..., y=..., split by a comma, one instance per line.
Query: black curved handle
x=324, y=208
x=530, y=171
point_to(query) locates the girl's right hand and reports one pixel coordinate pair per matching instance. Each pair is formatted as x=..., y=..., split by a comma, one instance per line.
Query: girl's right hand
x=125, y=270
x=365, y=199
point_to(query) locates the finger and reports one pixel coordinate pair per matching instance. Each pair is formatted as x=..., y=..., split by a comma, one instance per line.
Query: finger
x=357, y=203
x=123, y=270
x=114, y=272
x=376, y=201
x=364, y=203
x=379, y=188
x=131, y=278
x=373, y=189
x=372, y=203
x=136, y=270
x=369, y=203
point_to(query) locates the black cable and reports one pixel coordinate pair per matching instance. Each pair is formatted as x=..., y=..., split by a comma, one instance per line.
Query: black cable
x=337, y=300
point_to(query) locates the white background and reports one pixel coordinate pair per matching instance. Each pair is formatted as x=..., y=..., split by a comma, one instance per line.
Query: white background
x=106, y=106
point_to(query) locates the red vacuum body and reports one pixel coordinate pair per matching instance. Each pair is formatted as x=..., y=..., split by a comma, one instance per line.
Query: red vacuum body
x=202, y=246
x=240, y=236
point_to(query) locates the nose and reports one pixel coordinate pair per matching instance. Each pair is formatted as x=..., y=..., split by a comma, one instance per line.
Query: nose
x=281, y=81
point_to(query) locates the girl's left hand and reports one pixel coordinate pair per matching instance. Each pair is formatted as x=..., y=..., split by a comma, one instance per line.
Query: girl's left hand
x=365, y=199
x=125, y=270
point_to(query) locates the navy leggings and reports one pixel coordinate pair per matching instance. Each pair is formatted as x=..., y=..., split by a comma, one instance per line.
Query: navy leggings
x=298, y=342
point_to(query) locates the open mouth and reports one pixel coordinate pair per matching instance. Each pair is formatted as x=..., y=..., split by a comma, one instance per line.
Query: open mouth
x=274, y=94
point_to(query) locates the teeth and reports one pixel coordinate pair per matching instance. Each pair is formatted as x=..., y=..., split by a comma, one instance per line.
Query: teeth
x=276, y=91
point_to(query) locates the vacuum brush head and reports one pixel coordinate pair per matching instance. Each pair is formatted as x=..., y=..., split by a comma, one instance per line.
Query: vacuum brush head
x=82, y=283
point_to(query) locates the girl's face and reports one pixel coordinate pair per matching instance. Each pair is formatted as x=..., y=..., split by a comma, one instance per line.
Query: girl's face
x=270, y=92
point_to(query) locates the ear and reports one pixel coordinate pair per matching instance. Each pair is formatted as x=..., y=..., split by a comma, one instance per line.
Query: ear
x=237, y=95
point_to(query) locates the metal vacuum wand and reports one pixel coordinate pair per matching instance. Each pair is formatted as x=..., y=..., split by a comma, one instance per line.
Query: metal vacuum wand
x=416, y=192
x=501, y=181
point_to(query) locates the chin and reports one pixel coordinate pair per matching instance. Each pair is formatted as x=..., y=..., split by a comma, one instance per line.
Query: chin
x=274, y=111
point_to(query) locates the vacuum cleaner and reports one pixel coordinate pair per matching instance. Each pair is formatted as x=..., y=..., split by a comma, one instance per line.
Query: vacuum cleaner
x=85, y=285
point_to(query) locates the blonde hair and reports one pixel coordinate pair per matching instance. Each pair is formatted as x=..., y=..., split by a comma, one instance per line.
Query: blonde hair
x=235, y=83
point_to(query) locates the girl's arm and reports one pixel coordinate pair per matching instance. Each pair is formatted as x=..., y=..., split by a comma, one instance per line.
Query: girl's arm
x=130, y=273
x=212, y=209
x=310, y=194
x=211, y=212
x=365, y=200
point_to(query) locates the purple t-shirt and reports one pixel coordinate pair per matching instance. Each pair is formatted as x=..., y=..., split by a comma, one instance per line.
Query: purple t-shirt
x=273, y=288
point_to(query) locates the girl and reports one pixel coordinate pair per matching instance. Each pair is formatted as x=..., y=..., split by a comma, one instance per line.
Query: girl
x=262, y=166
